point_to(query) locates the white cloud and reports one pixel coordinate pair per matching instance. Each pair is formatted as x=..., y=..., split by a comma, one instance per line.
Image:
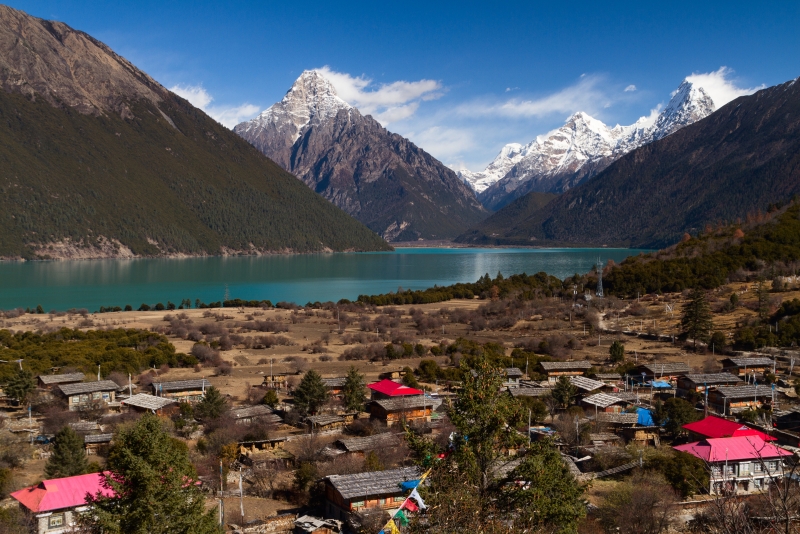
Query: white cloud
x=445, y=143
x=719, y=85
x=630, y=88
x=586, y=95
x=388, y=102
x=228, y=116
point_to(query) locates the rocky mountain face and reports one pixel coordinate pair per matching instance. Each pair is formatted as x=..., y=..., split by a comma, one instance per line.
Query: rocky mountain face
x=99, y=160
x=734, y=163
x=580, y=149
x=382, y=179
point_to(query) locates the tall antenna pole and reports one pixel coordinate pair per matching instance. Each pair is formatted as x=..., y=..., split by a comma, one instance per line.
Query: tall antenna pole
x=599, y=278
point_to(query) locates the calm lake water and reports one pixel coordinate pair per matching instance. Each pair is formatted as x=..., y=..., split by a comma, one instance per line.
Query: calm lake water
x=90, y=284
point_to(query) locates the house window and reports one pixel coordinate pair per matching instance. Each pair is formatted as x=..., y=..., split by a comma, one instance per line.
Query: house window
x=381, y=501
x=399, y=499
x=55, y=521
x=96, y=396
x=730, y=469
x=772, y=465
x=744, y=469
x=716, y=470
x=357, y=504
x=758, y=467
x=757, y=483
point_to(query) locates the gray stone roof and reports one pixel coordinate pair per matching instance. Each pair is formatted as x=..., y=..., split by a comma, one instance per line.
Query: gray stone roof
x=739, y=392
x=513, y=372
x=565, y=366
x=49, y=380
x=324, y=419
x=586, y=384
x=360, y=485
x=602, y=400
x=714, y=378
x=337, y=382
x=619, y=418
x=148, y=402
x=666, y=368
x=376, y=441
x=182, y=385
x=98, y=438
x=251, y=411
x=749, y=362
x=88, y=387
x=407, y=403
x=530, y=392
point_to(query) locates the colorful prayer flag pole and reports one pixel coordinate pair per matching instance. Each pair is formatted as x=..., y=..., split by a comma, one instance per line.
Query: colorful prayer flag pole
x=391, y=527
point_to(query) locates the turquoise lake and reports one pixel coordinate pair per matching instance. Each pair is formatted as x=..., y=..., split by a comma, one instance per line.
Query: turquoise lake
x=61, y=285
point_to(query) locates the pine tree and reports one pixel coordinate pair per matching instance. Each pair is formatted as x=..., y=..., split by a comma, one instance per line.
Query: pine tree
x=311, y=394
x=617, y=352
x=212, y=406
x=354, y=391
x=68, y=458
x=155, y=487
x=697, y=319
x=564, y=391
x=20, y=385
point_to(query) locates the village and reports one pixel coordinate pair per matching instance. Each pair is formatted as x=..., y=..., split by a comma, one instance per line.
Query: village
x=609, y=383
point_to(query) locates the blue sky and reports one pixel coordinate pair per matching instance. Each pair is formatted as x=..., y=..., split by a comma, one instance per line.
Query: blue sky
x=460, y=79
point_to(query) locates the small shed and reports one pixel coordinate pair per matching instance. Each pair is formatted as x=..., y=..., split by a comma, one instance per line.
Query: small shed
x=50, y=381
x=250, y=414
x=93, y=442
x=362, y=491
x=362, y=445
x=86, y=395
x=513, y=376
x=182, y=390
x=554, y=370
x=334, y=385
x=142, y=402
x=323, y=422
x=745, y=366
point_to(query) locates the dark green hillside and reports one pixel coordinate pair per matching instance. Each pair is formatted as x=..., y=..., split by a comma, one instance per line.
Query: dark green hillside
x=492, y=230
x=193, y=188
x=741, y=158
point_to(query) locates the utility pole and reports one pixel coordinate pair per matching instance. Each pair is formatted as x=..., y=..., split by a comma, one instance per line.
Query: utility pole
x=241, y=495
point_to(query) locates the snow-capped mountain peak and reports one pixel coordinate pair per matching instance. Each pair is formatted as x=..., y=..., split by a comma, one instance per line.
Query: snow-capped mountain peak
x=311, y=98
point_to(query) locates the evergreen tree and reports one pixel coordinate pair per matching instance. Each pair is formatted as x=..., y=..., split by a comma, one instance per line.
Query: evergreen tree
x=617, y=352
x=311, y=394
x=68, y=458
x=271, y=398
x=473, y=490
x=212, y=406
x=564, y=391
x=155, y=486
x=19, y=385
x=354, y=391
x=696, y=321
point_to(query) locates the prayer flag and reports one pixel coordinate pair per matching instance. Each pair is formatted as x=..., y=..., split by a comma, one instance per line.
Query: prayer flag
x=415, y=495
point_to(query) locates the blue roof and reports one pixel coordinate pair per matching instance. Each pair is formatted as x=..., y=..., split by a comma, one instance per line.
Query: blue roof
x=645, y=417
x=663, y=384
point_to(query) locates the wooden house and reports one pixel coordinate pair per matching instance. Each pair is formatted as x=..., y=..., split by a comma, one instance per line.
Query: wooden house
x=364, y=491
x=391, y=411
x=603, y=402
x=182, y=390
x=324, y=422
x=142, y=402
x=51, y=381
x=668, y=371
x=93, y=442
x=747, y=366
x=698, y=382
x=732, y=399
x=389, y=389
x=334, y=385
x=88, y=395
x=362, y=445
x=259, y=413
x=554, y=370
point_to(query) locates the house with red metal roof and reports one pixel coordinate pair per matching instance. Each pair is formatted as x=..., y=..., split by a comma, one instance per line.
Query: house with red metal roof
x=717, y=427
x=743, y=464
x=389, y=389
x=53, y=505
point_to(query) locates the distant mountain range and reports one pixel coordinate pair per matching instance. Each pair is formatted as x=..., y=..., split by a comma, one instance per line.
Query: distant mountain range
x=382, y=179
x=99, y=160
x=736, y=161
x=579, y=150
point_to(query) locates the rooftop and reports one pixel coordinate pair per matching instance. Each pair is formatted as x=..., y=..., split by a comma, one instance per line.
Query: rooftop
x=182, y=385
x=49, y=380
x=733, y=449
x=377, y=441
x=738, y=392
x=512, y=372
x=586, y=384
x=717, y=427
x=337, y=382
x=251, y=411
x=618, y=418
x=714, y=378
x=88, y=387
x=393, y=389
x=325, y=419
x=361, y=485
x=748, y=362
x=565, y=366
x=602, y=400
x=608, y=376
x=98, y=438
x=666, y=368
x=61, y=493
x=529, y=392
x=148, y=402
x=407, y=403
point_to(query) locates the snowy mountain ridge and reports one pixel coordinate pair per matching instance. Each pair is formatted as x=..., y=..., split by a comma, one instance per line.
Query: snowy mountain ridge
x=580, y=149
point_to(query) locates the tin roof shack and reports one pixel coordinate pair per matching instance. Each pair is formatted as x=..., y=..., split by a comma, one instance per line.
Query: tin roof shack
x=334, y=385
x=142, y=402
x=345, y=494
x=603, y=402
x=743, y=366
x=361, y=446
x=691, y=384
x=661, y=371
x=93, y=443
x=246, y=415
x=182, y=390
x=733, y=399
x=89, y=395
x=553, y=370
x=743, y=464
x=50, y=381
x=388, y=389
x=717, y=427
x=391, y=411
x=513, y=376
x=53, y=505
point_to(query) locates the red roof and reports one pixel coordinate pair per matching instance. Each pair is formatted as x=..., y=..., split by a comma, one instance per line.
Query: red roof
x=716, y=427
x=60, y=493
x=733, y=449
x=393, y=389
